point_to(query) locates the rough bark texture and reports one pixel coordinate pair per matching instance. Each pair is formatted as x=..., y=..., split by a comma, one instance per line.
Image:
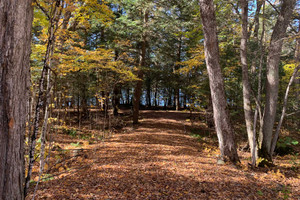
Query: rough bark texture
x=272, y=83
x=246, y=84
x=221, y=117
x=15, y=38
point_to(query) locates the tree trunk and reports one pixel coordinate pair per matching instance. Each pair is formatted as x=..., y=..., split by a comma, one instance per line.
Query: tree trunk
x=177, y=103
x=148, y=90
x=142, y=63
x=275, y=138
x=292, y=79
x=255, y=54
x=15, y=39
x=137, y=95
x=246, y=83
x=297, y=80
x=272, y=83
x=258, y=110
x=46, y=66
x=128, y=96
x=221, y=115
x=155, y=97
x=116, y=100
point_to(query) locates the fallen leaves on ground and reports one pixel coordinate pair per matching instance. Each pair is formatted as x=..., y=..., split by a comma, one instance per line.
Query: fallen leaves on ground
x=159, y=159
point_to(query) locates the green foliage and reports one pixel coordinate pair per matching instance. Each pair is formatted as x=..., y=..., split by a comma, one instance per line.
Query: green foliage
x=260, y=193
x=286, y=141
x=47, y=177
x=76, y=144
x=69, y=131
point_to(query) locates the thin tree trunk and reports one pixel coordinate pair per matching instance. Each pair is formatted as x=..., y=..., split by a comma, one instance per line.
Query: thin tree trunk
x=275, y=138
x=297, y=80
x=177, y=103
x=246, y=84
x=116, y=100
x=272, y=75
x=258, y=110
x=255, y=54
x=44, y=131
x=148, y=90
x=221, y=115
x=51, y=37
x=15, y=40
x=155, y=96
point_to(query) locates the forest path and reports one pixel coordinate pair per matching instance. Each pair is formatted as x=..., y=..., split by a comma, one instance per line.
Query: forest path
x=157, y=159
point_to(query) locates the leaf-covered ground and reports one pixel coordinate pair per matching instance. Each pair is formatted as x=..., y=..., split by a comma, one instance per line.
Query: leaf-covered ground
x=161, y=159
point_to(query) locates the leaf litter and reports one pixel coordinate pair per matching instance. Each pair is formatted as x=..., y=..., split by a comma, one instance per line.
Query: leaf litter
x=159, y=159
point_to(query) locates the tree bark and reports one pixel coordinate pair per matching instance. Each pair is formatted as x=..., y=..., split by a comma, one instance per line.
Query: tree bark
x=177, y=102
x=46, y=66
x=275, y=138
x=221, y=115
x=15, y=38
x=272, y=83
x=148, y=90
x=116, y=99
x=142, y=63
x=138, y=92
x=297, y=80
x=246, y=84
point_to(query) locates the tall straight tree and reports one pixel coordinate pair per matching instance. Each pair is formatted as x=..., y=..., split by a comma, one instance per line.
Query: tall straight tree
x=246, y=83
x=15, y=37
x=273, y=75
x=221, y=115
x=142, y=63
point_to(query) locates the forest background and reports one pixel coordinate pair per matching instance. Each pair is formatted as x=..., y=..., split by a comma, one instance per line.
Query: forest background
x=91, y=59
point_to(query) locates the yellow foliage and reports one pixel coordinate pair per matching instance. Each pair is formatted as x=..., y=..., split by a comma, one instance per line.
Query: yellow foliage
x=196, y=60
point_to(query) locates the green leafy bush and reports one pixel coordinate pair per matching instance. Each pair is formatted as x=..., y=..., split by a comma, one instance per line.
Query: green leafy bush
x=285, y=145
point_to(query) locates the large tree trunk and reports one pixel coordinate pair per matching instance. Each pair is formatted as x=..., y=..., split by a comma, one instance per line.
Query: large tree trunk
x=292, y=79
x=272, y=83
x=246, y=83
x=15, y=39
x=221, y=115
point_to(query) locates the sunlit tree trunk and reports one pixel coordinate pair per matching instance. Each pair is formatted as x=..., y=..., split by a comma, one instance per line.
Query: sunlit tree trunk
x=272, y=83
x=246, y=84
x=221, y=115
x=41, y=91
x=297, y=80
x=15, y=39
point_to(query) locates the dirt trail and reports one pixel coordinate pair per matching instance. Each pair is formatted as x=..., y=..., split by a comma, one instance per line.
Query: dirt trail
x=158, y=159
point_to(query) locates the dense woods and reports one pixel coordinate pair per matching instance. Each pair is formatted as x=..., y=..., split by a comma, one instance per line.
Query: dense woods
x=80, y=71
